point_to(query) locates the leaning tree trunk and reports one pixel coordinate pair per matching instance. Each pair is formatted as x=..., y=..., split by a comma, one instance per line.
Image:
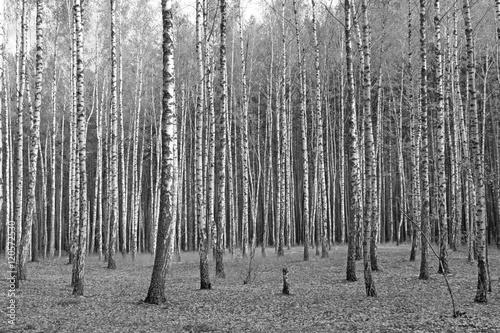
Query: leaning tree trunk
x=476, y=159
x=34, y=146
x=166, y=224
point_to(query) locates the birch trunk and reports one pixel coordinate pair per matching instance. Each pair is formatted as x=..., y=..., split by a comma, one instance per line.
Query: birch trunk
x=355, y=181
x=320, y=177
x=200, y=202
x=424, y=264
x=52, y=204
x=244, y=141
x=42, y=215
x=342, y=171
x=98, y=180
x=369, y=154
x=78, y=287
x=211, y=143
x=20, y=87
x=461, y=146
x=61, y=190
x=123, y=166
x=415, y=147
x=305, y=153
x=280, y=156
x=166, y=226
x=135, y=155
x=441, y=172
x=75, y=175
x=138, y=200
x=11, y=233
x=3, y=92
x=231, y=159
x=401, y=170
x=377, y=188
x=221, y=158
x=476, y=160
x=113, y=217
x=34, y=147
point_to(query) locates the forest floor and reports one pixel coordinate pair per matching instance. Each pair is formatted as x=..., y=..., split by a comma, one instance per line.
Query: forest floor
x=321, y=300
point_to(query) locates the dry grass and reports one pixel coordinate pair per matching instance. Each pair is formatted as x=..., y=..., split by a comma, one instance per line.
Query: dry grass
x=321, y=300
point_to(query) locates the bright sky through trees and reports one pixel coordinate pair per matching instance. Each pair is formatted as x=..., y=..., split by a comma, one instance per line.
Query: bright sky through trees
x=250, y=8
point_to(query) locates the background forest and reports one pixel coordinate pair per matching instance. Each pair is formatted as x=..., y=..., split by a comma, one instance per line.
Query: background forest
x=310, y=123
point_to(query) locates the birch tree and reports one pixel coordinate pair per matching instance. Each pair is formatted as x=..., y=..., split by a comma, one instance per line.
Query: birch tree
x=20, y=86
x=320, y=177
x=476, y=159
x=2, y=91
x=135, y=153
x=200, y=201
x=441, y=179
x=166, y=224
x=74, y=198
x=424, y=264
x=34, y=146
x=61, y=184
x=123, y=169
x=269, y=155
x=456, y=156
x=52, y=204
x=280, y=121
x=113, y=169
x=353, y=146
x=222, y=123
x=342, y=154
x=244, y=140
x=303, y=119
x=78, y=287
x=209, y=76
x=415, y=148
x=369, y=153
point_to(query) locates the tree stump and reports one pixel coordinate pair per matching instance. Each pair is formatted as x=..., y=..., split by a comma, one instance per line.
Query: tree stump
x=286, y=286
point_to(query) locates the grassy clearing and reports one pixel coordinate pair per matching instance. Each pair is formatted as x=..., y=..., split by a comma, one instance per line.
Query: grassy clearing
x=321, y=300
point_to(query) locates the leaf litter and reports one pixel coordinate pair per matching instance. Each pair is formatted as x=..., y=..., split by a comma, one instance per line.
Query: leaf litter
x=320, y=301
